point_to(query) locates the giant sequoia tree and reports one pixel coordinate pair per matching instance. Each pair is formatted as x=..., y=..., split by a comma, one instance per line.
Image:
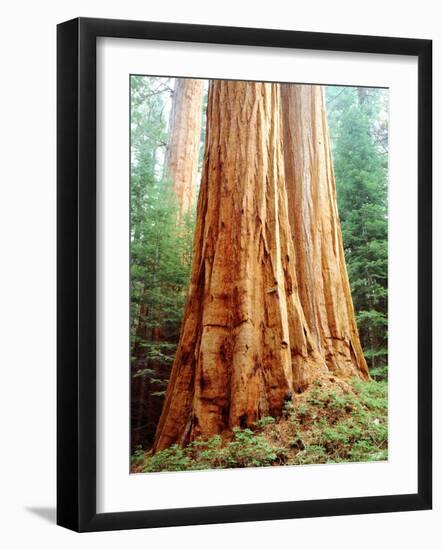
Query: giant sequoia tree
x=320, y=263
x=181, y=162
x=245, y=345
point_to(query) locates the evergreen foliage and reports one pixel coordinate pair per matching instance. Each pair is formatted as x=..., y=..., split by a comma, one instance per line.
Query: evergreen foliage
x=160, y=256
x=358, y=123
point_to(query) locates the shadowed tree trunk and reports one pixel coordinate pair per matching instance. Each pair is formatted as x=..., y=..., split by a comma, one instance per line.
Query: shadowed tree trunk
x=244, y=345
x=320, y=263
x=181, y=162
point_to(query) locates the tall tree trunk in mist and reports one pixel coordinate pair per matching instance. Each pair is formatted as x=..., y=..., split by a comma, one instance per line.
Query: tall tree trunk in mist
x=320, y=263
x=245, y=345
x=181, y=166
x=181, y=162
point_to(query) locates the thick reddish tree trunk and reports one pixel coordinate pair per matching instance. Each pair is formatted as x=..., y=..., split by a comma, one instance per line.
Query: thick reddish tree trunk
x=245, y=345
x=321, y=269
x=181, y=162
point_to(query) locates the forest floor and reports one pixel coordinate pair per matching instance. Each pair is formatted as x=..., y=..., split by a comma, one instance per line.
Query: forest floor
x=331, y=422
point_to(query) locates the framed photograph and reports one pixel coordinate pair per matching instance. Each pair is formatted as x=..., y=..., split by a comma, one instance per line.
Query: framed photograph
x=244, y=274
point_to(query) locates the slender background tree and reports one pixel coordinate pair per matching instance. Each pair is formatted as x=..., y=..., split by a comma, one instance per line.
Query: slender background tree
x=160, y=255
x=182, y=153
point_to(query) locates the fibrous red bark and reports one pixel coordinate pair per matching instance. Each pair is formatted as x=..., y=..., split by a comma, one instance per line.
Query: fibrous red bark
x=320, y=263
x=245, y=345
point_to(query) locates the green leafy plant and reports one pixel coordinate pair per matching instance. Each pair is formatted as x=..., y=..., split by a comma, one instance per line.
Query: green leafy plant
x=326, y=425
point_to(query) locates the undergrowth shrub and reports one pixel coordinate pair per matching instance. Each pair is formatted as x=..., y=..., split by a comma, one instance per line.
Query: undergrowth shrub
x=323, y=426
x=246, y=449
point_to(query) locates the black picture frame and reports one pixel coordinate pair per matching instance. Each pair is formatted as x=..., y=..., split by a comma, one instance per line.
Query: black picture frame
x=76, y=266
